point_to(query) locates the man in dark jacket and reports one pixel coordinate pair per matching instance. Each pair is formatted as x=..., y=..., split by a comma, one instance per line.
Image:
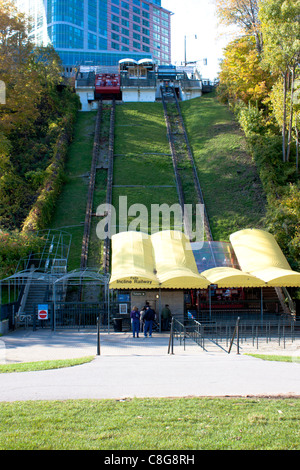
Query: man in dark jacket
x=149, y=317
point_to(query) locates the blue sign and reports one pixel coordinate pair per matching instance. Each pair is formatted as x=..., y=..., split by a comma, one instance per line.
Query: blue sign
x=123, y=297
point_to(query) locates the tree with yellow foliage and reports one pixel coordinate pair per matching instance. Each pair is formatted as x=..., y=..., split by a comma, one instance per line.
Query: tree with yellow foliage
x=244, y=15
x=242, y=77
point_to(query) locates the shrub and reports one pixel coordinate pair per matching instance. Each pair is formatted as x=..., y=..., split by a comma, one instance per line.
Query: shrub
x=15, y=246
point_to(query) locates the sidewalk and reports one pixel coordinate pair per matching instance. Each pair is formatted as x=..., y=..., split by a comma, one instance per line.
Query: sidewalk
x=137, y=367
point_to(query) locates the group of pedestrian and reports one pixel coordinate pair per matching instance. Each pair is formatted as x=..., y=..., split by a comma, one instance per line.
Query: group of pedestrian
x=143, y=320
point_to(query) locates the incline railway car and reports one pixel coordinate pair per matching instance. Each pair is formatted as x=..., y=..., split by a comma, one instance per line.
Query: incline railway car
x=107, y=86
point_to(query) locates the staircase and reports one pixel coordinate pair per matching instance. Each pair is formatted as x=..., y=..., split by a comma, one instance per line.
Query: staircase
x=40, y=272
x=37, y=295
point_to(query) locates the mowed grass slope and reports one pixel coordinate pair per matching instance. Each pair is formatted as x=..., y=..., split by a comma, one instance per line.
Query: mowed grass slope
x=231, y=187
x=143, y=170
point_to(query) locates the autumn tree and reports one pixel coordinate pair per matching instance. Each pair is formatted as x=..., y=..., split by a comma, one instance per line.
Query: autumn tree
x=244, y=15
x=32, y=116
x=242, y=77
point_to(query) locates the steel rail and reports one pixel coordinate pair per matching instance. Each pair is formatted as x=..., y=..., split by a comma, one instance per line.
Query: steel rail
x=189, y=154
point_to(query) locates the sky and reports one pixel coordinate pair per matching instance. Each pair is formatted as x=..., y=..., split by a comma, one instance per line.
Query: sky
x=197, y=17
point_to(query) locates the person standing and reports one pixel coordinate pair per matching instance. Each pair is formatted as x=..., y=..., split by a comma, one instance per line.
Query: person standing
x=142, y=313
x=166, y=317
x=149, y=317
x=135, y=321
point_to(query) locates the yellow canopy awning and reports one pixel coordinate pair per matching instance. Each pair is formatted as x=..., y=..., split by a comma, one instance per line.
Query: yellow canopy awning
x=175, y=263
x=278, y=277
x=259, y=254
x=164, y=260
x=226, y=277
x=132, y=262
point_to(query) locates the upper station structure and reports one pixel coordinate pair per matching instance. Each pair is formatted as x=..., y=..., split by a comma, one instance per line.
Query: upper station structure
x=137, y=81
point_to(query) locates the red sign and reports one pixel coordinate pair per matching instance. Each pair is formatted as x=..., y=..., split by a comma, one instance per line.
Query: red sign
x=43, y=312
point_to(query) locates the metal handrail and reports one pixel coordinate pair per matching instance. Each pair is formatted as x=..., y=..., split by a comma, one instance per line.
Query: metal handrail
x=183, y=332
x=138, y=82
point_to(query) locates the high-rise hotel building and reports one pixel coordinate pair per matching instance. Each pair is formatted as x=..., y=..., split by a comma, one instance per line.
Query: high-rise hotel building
x=101, y=32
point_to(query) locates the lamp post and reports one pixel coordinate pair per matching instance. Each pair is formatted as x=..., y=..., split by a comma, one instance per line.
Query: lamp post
x=185, y=61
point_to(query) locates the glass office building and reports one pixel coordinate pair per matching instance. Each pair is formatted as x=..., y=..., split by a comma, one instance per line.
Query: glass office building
x=101, y=32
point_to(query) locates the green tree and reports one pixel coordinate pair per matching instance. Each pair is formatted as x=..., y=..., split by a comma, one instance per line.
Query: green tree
x=280, y=25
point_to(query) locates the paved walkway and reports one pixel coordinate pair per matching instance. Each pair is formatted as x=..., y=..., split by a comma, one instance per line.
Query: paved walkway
x=138, y=367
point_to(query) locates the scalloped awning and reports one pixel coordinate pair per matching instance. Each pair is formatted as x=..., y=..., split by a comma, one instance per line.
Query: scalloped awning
x=259, y=254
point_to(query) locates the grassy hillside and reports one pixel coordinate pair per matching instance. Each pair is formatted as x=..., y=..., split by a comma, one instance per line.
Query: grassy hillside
x=231, y=187
x=143, y=170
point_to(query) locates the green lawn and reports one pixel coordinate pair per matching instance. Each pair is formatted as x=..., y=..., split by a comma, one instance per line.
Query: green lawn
x=43, y=365
x=231, y=187
x=275, y=357
x=152, y=424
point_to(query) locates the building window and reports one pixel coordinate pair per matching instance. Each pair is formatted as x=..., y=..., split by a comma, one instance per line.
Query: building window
x=92, y=41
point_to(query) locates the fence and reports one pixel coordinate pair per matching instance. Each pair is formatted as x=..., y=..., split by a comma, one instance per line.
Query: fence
x=68, y=315
x=228, y=333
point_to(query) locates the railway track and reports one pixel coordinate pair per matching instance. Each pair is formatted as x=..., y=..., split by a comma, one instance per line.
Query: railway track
x=110, y=167
x=186, y=176
x=105, y=163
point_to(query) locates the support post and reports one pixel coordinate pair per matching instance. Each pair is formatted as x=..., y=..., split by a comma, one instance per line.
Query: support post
x=98, y=336
x=171, y=338
x=209, y=298
x=159, y=308
x=261, y=305
x=54, y=306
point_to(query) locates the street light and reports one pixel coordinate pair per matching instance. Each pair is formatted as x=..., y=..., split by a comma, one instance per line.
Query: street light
x=185, y=62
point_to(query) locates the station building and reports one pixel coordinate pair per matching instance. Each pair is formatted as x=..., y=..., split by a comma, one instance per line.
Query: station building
x=137, y=81
x=206, y=281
